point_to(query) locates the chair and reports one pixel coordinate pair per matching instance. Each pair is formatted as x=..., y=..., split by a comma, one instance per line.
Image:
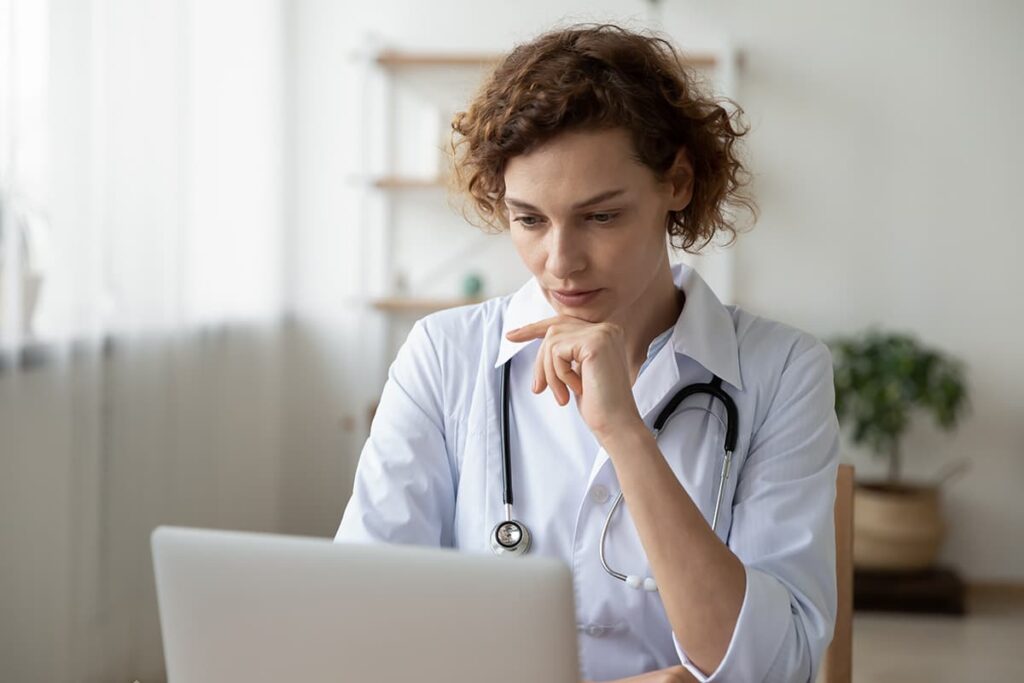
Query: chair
x=838, y=663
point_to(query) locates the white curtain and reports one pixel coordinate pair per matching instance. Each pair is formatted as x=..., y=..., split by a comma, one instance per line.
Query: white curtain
x=144, y=274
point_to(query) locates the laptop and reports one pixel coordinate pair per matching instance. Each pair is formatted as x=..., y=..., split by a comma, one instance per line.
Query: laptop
x=249, y=607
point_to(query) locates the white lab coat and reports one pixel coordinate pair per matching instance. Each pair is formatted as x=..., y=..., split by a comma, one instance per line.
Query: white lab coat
x=430, y=474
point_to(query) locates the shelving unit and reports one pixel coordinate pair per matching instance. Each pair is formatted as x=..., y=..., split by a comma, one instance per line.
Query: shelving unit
x=406, y=107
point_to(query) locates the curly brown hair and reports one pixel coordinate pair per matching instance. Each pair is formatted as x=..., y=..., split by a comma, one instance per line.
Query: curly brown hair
x=598, y=76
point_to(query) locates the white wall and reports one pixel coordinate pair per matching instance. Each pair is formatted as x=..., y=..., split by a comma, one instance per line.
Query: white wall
x=886, y=155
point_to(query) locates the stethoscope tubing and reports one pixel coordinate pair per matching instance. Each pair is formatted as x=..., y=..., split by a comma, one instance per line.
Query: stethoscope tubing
x=506, y=456
x=713, y=388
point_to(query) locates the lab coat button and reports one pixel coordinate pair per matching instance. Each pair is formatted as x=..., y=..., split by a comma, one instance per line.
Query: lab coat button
x=596, y=631
x=599, y=494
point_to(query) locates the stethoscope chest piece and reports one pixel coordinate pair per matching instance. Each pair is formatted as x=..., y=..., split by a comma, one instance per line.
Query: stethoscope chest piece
x=510, y=537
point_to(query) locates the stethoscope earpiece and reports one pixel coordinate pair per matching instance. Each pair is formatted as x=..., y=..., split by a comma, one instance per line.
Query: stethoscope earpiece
x=638, y=582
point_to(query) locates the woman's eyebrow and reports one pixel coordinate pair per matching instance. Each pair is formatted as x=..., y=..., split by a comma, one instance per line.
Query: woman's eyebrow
x=519, y=204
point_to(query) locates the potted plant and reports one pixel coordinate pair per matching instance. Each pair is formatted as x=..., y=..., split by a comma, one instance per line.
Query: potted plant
x=880, y=379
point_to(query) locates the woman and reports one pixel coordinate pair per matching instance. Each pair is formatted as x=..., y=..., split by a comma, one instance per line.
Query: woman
x=590, y=145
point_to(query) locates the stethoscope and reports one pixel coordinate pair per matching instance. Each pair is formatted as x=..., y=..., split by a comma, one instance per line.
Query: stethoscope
x=511, y=537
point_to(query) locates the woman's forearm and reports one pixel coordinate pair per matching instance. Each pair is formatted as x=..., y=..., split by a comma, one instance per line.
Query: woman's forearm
x=700, y=581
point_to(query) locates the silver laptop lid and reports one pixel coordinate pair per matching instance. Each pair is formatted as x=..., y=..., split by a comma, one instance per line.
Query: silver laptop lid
x=238, y=606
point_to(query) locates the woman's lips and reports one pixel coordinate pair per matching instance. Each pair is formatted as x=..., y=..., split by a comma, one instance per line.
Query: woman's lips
x=575, y=298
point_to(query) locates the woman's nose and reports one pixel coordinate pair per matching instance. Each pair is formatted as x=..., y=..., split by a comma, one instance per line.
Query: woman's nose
x=565, y=254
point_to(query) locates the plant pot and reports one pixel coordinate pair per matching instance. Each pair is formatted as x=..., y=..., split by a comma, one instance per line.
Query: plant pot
x=896, y=526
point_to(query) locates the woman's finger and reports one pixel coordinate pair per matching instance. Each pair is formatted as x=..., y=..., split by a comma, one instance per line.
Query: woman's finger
x=562, y=362
x=538, y=371
x=540, y=376
x=558, y=388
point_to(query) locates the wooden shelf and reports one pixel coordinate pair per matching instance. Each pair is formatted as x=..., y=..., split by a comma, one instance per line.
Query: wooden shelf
x=398, y=304
x=700, y=60
x=406, y=183
x=397, y=59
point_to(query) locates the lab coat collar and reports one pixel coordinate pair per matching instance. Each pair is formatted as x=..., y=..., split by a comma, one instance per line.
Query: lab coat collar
x=704, y=330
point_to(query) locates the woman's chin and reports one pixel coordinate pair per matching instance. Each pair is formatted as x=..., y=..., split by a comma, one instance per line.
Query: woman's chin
x=591, y=313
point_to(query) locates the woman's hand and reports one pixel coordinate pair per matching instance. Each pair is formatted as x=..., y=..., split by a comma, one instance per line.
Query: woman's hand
x=673, y=674
x=588, y=359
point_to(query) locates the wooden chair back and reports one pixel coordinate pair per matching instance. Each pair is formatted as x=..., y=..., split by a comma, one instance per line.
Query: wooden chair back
x=838, y=664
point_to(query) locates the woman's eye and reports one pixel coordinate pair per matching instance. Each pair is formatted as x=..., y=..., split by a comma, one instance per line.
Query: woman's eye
x=603, y=217
x=527, y=221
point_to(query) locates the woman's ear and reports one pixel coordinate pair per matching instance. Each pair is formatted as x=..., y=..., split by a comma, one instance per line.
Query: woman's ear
x=680, y=178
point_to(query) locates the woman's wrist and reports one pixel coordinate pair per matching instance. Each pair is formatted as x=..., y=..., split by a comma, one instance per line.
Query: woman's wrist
x=625, y=437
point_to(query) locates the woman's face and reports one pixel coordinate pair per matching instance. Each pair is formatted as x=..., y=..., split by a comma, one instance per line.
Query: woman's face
x=586, y=217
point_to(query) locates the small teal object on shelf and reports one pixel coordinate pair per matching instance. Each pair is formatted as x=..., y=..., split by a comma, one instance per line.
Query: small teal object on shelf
x=472, y=286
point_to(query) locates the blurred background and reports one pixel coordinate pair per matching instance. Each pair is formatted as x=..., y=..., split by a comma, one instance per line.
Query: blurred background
x=218, y=219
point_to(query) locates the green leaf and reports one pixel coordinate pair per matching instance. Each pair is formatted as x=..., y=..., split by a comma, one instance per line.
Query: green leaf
x=881, y=378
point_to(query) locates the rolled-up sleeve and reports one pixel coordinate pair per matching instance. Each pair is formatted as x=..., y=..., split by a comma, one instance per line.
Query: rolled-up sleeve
x=404, y=489
x=783, y=531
